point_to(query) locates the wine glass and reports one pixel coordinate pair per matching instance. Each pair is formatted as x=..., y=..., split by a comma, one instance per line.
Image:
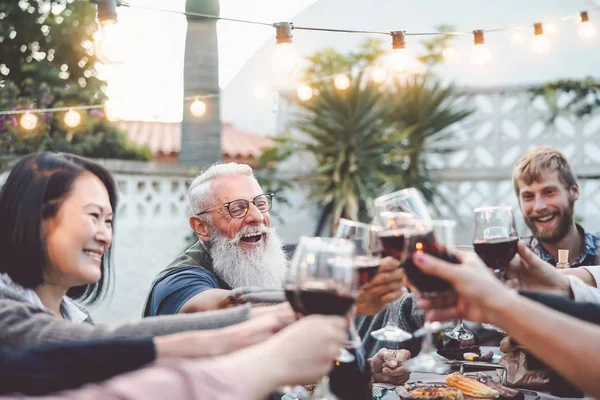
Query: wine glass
x=432, y=237
x=459, y=332
x=495, y=240
x=495, y=237
x=406, y=200
x=391, y=237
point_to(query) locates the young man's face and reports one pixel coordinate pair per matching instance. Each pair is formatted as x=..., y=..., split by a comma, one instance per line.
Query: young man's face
x=547, y=206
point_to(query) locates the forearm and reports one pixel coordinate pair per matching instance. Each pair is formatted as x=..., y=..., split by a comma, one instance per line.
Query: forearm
x=57, y=367
x=542, y=331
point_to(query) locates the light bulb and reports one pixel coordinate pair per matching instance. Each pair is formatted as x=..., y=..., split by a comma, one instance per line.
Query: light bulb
x=540, y=44
x=516, y=37
x=480, y=55
x=110, y=48
x=72, y=118
x=587, y=30
x=341, y=82
x=448, y=53
x=286, y=60
x=304, y=92
x=401, y=60
x=28, y=121
x=379, y=74
x=198, y=108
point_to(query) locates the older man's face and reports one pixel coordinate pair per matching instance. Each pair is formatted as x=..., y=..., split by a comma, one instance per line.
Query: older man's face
x=246, y=251
x=227, y=189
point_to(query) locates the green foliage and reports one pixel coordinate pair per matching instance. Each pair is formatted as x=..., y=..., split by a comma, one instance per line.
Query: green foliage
x=47, y=60
x=368, y=138
x=584, y=96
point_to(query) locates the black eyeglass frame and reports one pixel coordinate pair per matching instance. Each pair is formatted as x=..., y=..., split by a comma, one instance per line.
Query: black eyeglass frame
x=268, y=196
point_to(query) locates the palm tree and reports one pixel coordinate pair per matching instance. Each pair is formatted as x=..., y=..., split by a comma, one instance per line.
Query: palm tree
x=429, y=108
x=201, y=137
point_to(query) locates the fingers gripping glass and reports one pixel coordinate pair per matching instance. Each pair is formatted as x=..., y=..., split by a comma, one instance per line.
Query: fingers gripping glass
x=239, y=208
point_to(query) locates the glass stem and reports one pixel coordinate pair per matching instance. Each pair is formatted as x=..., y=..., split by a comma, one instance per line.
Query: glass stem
x=392, y=321
x=427, y=345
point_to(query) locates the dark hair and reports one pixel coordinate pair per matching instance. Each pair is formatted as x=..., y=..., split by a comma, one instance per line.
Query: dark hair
x=34, y=191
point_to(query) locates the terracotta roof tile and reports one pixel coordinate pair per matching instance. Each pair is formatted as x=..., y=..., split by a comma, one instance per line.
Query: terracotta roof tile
x=165, y=138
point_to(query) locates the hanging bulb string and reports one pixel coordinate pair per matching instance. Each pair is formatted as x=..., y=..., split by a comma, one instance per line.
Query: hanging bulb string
x=571, y=16
x=49, y=110
x=200, y=97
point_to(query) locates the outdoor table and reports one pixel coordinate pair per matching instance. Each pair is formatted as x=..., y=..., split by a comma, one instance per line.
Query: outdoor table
x=435, y=378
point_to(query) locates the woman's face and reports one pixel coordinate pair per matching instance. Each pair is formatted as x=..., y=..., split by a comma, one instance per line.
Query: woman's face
x=79, y=234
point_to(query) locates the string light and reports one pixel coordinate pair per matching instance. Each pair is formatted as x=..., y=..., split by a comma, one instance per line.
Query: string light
x=480, y=54
x=341, y=81
x=550, y=28
x=109, y=41
x=285, y=60
x=587, y=30
x=540, y=44
x=72, y=118
x=401, y=60
x=379, y=74
x=304, y=92
x=198, y=108
x=28, y=121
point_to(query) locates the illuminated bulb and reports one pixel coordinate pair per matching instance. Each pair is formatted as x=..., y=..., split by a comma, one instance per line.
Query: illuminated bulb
x=540, y=43
x=304, y=92
x=28, y=121
x=401, y=59
x=110, y=47
x=587, y=30
x=448, y=53
x=198, y=108
x=341, y=82
x=72, y=118
x=516, y=37
x=480, y=55
x=379, y=75
x=285, y=60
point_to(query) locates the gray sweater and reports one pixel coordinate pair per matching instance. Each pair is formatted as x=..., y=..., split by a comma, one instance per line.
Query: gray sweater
x=23, y=324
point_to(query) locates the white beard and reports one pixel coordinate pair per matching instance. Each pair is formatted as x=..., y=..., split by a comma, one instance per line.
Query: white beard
x=263, y=266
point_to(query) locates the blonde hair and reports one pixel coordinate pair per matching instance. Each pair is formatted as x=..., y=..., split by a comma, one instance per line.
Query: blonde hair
x=199, y=194
x=529, y=168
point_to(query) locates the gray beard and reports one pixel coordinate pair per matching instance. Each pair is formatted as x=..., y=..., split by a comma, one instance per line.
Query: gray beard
x=263, y=267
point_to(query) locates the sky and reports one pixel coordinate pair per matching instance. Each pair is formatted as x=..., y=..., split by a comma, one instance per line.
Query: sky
x=148, y=85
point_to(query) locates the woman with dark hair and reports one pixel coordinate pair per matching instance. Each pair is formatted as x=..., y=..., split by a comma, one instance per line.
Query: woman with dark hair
x=56, y=230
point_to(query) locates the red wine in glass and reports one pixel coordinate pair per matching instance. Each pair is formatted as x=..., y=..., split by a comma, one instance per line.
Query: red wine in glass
x=325, y=301
x=425, y=242
x=366, y=268
x=497, y=252
x=352, y=380
x=291, y=294
x=393, y=243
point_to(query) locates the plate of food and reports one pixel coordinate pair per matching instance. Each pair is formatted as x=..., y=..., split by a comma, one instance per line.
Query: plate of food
x=459, y=387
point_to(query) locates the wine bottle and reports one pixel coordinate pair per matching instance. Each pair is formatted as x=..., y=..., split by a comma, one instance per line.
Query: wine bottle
x=352, y=380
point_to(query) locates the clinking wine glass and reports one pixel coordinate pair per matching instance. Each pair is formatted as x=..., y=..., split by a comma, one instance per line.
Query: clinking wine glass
x=495, y=240
x=368, y=250
x=435, y=238
x=406, y=200
x=391, y=236
x=459, y=332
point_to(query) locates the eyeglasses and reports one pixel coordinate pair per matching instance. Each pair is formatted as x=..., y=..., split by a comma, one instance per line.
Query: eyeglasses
x=239, y=208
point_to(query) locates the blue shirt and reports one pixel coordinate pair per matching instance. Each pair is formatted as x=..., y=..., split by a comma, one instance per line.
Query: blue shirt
x=589, y=255
x=173, y=291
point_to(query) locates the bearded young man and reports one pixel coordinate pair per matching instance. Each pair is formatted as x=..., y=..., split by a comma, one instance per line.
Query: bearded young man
x=547, y=190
